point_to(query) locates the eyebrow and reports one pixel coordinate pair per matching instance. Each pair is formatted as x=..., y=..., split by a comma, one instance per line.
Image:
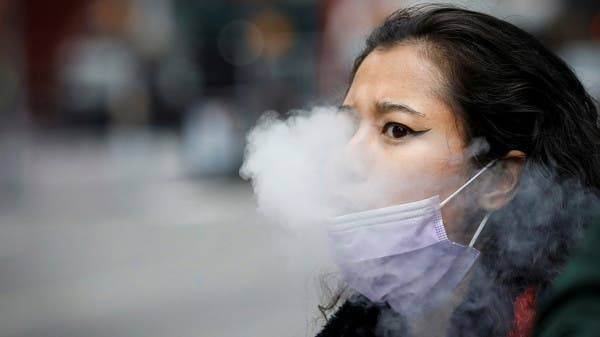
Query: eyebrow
x=386, y=107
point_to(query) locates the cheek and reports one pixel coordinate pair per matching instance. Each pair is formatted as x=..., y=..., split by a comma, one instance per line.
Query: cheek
x=421, y=167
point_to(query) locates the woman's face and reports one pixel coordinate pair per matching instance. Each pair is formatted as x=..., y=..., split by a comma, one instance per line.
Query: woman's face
x=408, y=134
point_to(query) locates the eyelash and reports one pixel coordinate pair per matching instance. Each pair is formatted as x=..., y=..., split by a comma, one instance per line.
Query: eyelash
x=406, y=132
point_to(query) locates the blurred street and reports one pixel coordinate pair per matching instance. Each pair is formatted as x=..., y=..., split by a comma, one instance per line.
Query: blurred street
x=107, y=237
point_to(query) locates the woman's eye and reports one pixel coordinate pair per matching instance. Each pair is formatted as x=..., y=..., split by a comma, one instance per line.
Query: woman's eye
x=396, y=130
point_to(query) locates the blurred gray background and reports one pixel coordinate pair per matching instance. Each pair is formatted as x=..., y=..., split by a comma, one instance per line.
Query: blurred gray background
x=121, y=132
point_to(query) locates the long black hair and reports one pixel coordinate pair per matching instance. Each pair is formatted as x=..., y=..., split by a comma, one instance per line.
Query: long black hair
x=508, y=89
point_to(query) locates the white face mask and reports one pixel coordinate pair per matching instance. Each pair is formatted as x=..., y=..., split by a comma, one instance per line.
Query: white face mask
x=401, y=254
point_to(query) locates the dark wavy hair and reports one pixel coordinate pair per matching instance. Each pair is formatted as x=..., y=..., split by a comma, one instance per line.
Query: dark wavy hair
x=508, y=89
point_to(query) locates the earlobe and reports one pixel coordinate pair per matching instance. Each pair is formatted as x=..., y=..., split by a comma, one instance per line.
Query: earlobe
x=501, y=187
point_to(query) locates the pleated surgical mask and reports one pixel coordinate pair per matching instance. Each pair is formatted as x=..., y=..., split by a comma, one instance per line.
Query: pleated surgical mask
x=401, y=254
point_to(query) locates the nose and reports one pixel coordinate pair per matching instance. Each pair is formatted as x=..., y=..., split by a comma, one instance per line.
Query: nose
x=361, y=139
x=357, y=156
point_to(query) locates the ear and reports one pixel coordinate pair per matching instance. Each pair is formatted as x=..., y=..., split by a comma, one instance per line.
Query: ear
x=502, y=184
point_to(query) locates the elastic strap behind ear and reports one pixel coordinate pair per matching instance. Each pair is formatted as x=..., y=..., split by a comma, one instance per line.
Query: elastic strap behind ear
x=468, y=182
x=479, y=229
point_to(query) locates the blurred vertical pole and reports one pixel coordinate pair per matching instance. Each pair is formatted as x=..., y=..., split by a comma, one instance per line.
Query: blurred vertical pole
x=324, y=48
x=46, y=25
x=11, y=64
x=13, y=109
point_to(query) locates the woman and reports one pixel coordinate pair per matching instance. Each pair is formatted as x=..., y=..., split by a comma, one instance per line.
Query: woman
x=444, y=94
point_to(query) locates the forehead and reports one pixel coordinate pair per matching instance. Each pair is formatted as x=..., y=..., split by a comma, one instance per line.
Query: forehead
x=400, y=73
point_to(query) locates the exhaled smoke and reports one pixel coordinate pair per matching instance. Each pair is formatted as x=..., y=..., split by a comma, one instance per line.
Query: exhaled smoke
x=288, y=162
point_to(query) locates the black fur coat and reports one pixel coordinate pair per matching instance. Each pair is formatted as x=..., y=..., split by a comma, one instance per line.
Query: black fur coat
x=359, y=317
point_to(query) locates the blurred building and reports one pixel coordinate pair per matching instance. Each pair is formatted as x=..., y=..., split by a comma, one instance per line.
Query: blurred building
x=95, y=65
x=102, y=62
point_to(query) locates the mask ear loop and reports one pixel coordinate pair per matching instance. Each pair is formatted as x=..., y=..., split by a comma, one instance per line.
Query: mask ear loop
x=487, y=216
x=468, y=182
x=479, y=229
